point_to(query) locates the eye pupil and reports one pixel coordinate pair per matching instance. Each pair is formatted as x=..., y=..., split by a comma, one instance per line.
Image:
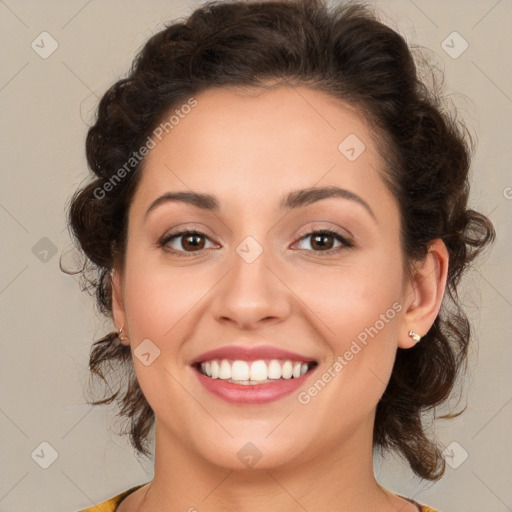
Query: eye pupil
x=192, y=241
x=319, y=241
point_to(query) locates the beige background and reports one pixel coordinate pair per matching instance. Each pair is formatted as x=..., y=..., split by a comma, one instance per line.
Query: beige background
x=47, y=325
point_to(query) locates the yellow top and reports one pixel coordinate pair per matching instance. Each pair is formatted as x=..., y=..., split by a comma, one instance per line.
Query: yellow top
x=111, y=504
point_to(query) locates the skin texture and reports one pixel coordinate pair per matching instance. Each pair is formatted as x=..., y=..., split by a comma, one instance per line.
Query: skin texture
x=249, y=148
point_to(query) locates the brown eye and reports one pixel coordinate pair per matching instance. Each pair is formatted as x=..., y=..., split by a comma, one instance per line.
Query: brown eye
x=184, y=242
x=192, y=241
x=324, y=241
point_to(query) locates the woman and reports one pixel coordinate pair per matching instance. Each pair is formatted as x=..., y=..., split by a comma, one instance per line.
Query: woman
x=278, y=224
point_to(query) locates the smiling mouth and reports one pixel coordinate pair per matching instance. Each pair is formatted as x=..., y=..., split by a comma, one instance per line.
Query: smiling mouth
x=262, y=371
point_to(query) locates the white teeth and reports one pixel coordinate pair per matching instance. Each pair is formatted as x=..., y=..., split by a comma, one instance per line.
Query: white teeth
x=287, y=370
x=214, y=369
x=274, y=370
x=256, y=371
x=240, y=370
x=225, y=370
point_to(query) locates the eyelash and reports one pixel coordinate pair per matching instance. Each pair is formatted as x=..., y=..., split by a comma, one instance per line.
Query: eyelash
x=346, y=244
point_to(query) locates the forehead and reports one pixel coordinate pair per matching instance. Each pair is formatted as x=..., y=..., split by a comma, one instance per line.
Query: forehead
x=252, y=146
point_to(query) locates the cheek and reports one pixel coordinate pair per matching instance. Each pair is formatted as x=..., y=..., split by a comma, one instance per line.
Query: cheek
x=357, y=310
x=357, y=315
x=158, y=298
x=360, y=295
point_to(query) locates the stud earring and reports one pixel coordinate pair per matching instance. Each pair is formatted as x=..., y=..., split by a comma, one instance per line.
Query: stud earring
x=415, y=336
x=121, y=336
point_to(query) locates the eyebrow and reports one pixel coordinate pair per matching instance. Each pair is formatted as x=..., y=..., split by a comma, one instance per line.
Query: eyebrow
x=293, y=200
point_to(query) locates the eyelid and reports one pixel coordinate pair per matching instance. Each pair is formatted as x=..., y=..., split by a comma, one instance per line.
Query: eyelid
x=184, y=228
x=326, y=227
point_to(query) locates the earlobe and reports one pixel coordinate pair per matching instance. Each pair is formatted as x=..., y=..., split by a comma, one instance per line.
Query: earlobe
x=118, y=312
x=425, y=295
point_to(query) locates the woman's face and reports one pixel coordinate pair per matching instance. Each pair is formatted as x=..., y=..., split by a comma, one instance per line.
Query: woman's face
x=258, y=273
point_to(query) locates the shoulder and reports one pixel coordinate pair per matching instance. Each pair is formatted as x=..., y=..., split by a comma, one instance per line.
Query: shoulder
x=422, y=508
x=111, y=504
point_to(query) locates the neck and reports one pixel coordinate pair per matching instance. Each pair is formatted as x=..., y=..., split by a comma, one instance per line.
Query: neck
x=186, y=481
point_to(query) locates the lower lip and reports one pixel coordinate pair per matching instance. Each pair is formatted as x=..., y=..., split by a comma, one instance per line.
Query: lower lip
x=253, y=393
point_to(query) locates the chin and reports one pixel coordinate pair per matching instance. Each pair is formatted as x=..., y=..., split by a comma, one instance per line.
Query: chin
x=247, y=453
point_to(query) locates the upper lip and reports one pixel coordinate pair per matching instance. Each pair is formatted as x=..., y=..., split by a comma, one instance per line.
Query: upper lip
x=244, y=353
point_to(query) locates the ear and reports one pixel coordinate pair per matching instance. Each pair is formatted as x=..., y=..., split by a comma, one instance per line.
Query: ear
x=424, y=293
x=118, y=312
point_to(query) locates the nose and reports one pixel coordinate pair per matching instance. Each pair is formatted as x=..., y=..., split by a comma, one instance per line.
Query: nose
x=252, y=295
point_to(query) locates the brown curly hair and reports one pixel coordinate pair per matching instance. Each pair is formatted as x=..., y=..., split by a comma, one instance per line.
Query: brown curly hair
x=342, y=50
